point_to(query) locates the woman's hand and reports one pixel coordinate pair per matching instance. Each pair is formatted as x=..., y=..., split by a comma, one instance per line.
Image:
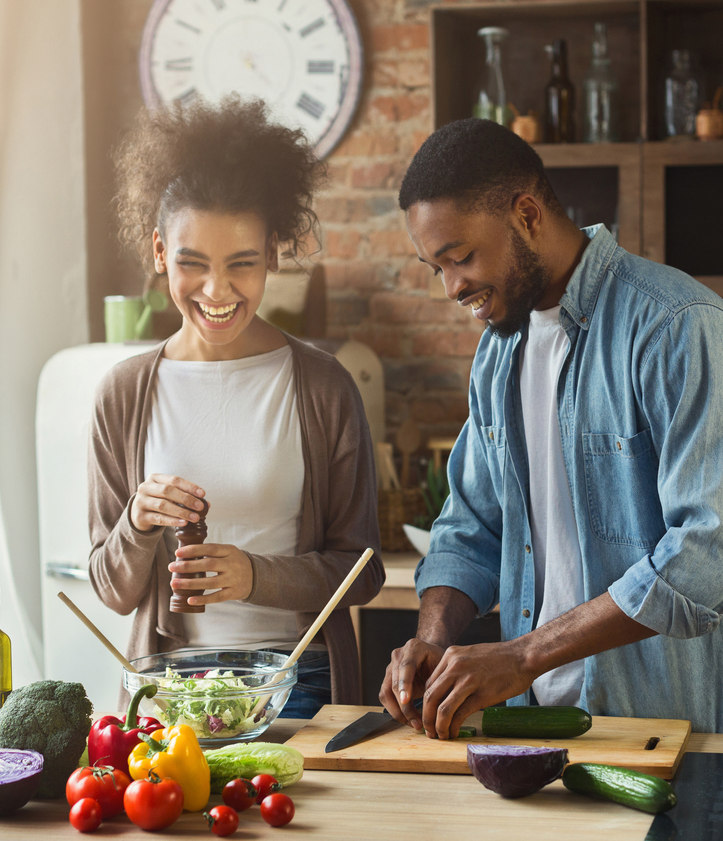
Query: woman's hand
x=166, y=501
x=233, y=578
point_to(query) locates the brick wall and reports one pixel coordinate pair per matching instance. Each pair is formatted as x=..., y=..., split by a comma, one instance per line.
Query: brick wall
x=378, y=292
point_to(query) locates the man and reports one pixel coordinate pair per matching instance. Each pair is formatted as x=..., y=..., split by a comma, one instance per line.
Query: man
x=586, y=492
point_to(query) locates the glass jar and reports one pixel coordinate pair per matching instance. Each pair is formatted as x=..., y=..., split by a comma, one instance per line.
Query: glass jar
x=491, y=103
x=600, y=89
x=682, y=95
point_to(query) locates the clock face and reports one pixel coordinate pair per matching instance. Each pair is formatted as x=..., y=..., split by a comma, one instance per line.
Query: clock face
x=302, y=57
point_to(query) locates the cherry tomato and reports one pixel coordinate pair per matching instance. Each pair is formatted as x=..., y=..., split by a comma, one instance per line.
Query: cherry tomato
x=223, y=820
x=239, y=794
x=265, y=785
x=153, y=803
x=85, y=814
x=102, y=783
x=277, y=809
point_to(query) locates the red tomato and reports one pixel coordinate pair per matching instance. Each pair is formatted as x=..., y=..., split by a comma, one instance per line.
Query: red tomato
x=265, y=785
x=85, y=814
x=153, y=803
x=239, y=794
x=277, y=809
x=223, y=820
x=102, y=783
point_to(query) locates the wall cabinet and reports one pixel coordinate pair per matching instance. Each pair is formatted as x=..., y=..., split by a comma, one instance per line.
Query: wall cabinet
x=658, y=195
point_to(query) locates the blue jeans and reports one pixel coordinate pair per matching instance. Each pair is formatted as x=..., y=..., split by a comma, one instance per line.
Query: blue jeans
x=313, y=686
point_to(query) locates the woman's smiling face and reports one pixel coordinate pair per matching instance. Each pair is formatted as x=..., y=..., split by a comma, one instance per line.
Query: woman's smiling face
x=216, y=264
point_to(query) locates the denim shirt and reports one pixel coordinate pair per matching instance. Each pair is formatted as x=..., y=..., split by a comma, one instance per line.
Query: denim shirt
x=640, y=404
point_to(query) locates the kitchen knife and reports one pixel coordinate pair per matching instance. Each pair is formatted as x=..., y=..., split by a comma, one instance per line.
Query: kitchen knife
x=368, y=724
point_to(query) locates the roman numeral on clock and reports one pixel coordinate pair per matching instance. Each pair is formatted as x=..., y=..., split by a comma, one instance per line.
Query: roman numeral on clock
x=179, y=63
x=312, y=27
x=312, y=106
x=320, y=66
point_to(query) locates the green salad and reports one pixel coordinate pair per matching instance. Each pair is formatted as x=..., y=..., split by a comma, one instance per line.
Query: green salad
x=209, y=703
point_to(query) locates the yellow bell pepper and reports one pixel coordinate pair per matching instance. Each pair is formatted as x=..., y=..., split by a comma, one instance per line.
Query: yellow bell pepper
x=174, y=753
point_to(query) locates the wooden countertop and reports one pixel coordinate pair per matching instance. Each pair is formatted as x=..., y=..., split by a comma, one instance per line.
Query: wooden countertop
x=373, y=806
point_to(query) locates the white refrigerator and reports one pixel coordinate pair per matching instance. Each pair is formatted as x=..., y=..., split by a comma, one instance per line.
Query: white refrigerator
x=66, y=387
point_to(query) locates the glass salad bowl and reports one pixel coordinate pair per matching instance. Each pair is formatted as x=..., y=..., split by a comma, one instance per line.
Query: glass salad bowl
x=225, y=696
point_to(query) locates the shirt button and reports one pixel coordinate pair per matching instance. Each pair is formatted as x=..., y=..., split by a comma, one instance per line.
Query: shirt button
x=526, y=613
x=528, y=548
x=584, y=319
x=492, y=436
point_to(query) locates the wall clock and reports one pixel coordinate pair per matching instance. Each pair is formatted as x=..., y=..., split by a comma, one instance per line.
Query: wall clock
x=302, y=57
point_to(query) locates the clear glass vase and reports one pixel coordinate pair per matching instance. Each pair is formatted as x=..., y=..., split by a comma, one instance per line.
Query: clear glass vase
x=682, y=95
x=491, y=102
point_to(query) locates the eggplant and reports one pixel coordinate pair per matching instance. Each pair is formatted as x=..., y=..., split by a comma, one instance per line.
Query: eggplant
x=515, y=770
x=20, y=772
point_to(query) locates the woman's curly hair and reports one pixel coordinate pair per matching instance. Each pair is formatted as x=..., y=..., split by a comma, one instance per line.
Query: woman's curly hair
x=228, y=157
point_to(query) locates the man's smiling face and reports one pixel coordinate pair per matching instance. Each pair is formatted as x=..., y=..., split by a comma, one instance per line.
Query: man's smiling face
x=483, y=260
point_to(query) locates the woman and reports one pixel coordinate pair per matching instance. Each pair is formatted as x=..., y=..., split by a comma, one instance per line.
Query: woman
x=269, y=430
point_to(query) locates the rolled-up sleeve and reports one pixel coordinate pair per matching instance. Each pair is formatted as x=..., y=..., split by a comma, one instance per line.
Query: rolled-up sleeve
x=677, y=589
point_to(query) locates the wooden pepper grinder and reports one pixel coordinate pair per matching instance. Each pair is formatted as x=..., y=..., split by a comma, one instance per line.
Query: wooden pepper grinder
x=190, y=535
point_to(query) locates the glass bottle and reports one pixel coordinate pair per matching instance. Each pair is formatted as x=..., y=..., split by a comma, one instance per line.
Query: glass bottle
x=6, y=674
x=491, y=101
x=559, y=97
x=682, y=95
x=601, y=93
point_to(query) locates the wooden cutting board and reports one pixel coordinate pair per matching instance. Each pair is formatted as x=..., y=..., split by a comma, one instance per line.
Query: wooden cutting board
x=630, y=742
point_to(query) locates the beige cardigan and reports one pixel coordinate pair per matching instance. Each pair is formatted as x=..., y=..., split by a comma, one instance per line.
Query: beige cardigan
x=129, y=568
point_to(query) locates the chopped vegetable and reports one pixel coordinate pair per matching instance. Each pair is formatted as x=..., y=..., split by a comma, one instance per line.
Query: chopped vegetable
x=247, y=760
x=536, y=722
x=515, y=770
x=51, y=717
x=20, y=772
x=466, y=731
x=174, y=753
x=210, y=704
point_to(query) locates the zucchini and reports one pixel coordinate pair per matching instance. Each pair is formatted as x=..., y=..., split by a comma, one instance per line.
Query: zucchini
x=536, y=722
x=621, y=785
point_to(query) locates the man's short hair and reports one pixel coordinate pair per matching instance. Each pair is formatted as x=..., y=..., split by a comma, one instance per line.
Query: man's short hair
x=480, y=164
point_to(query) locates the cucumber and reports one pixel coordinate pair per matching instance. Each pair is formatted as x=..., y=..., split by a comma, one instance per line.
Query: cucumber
x=536, y=722
x=621, y=785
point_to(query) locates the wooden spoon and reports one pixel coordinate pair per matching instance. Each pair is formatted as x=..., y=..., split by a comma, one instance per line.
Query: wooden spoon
x=408, y=439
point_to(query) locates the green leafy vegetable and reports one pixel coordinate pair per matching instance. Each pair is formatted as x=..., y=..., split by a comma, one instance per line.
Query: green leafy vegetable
x=51, y=717
x=216, y=705
x=248, y=759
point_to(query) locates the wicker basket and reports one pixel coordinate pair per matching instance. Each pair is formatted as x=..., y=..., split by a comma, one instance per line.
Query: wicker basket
x=397, y=507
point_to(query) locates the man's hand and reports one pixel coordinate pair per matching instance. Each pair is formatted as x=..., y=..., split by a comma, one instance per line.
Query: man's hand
x=406, y=677
x=469, y=678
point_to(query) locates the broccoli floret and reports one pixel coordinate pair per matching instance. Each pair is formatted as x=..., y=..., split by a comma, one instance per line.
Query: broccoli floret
x=52, y=717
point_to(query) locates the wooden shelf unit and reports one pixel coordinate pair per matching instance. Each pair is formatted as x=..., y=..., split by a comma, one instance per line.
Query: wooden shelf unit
x=639, y=184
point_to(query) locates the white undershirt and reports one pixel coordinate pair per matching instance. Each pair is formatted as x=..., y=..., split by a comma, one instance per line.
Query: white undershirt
x=233, y=428
x=555, y=544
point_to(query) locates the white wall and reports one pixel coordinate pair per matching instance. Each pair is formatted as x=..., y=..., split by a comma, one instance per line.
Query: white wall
x=43, y=301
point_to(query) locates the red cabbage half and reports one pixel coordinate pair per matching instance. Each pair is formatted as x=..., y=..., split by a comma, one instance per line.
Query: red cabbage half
x=515, y=770
x=20, y=772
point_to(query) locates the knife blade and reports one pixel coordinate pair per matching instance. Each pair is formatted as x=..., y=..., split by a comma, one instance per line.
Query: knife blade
x=366, y=725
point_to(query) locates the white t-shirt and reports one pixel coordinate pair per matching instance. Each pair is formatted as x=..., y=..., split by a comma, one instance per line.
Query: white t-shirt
x=555, y=543
x=233, y=428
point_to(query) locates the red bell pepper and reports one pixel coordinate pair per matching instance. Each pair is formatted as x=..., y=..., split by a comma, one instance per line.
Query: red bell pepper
x=112, y=739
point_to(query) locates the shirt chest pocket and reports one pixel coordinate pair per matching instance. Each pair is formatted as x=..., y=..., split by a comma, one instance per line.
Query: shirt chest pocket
x=495, y=449
x=621, y=484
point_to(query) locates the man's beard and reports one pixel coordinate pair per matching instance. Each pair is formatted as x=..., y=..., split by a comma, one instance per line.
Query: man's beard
x=525, y=284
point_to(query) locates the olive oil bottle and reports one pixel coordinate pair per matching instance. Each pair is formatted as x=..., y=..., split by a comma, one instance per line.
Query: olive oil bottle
x=6, y=681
